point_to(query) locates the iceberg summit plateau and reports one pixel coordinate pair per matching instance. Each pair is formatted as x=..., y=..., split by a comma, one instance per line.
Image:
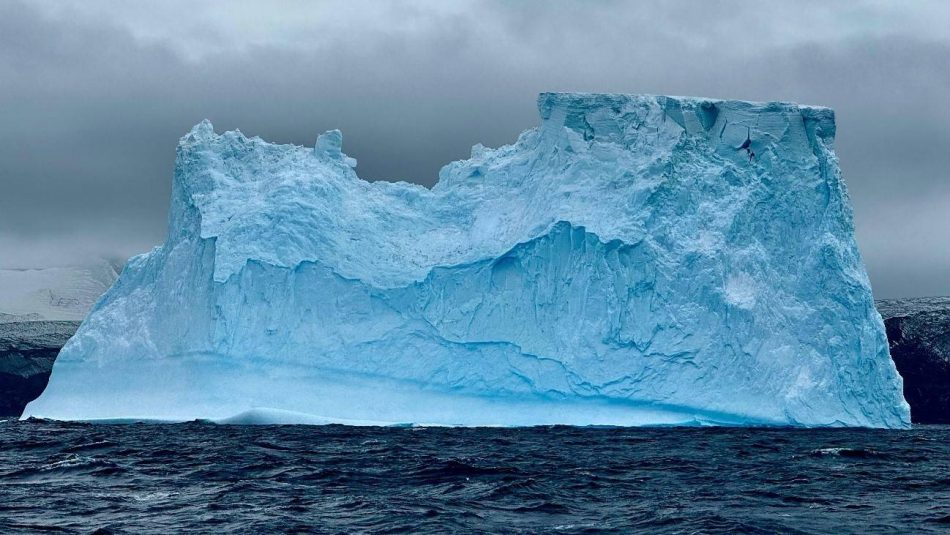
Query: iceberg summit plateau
x=633, y=260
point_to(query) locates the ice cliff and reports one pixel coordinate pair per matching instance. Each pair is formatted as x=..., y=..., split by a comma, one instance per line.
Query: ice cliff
x=634, y=260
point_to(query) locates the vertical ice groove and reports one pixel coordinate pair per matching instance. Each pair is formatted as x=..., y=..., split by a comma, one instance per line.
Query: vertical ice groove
x=628, y=261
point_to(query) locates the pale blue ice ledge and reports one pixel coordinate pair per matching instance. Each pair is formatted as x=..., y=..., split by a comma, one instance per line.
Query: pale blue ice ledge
x=634, y=260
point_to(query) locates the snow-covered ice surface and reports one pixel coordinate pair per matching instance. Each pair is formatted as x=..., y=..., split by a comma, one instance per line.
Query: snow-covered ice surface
x=627, y=262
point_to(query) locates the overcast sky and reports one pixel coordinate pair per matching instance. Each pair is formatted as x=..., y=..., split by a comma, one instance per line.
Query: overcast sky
x=94, y=96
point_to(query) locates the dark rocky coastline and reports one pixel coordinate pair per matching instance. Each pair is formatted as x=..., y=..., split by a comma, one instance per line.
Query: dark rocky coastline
x=918, y=331
x=27, y=352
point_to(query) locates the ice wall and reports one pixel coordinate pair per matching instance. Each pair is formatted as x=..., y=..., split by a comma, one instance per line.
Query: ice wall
x=634, y=260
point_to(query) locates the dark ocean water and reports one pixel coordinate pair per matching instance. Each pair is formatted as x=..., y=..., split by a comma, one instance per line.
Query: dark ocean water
x=206, y=478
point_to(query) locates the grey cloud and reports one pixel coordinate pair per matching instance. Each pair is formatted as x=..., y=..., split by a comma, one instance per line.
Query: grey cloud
x=91, y=110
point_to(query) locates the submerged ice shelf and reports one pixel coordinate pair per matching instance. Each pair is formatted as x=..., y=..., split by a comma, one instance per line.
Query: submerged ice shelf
x=634, y=260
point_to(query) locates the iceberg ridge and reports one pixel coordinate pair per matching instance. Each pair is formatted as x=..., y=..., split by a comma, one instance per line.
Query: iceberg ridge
x=634, y=260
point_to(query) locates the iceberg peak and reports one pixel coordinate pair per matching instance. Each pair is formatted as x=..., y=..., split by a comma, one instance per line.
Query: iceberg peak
x=330, y=145
x=202, y=131
x=725, y=124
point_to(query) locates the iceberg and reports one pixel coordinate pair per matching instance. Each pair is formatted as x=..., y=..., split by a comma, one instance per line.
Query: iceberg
x=633, y=260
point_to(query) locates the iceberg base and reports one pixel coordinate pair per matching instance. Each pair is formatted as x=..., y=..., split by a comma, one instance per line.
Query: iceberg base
x=206, y=387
